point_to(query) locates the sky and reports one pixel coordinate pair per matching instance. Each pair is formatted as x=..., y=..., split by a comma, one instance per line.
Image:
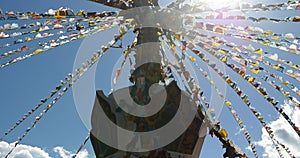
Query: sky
x=63, y=129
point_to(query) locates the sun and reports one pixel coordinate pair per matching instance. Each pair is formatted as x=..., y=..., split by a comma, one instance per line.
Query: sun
x=217, y=4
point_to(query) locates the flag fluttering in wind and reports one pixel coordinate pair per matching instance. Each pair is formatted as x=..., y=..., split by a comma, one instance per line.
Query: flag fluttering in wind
x=183, y=47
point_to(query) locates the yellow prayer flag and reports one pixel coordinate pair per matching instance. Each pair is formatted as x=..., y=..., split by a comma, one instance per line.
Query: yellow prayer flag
x=228, y=103
x=37, y=51
x=222, y=51
x=258, y=51
x=256, y=71
x=192, y=59
x=223, y=133
x=268, y=32
x=237, y=49
x=224, y=60
x=276, y=38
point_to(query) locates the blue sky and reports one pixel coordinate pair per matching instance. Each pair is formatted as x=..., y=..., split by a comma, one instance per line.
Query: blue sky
x=22, y=85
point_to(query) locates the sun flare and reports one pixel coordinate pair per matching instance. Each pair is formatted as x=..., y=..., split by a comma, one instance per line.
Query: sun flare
x=216, y=4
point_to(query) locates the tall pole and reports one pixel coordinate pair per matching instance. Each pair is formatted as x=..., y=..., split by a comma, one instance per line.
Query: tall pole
x=148, y=71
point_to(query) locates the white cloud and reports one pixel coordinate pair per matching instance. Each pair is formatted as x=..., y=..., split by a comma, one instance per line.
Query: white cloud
x=283, y=132
x=23, y=154
x=63, y=153
x=22, y=151
x=83, y=154
x=26, y=151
